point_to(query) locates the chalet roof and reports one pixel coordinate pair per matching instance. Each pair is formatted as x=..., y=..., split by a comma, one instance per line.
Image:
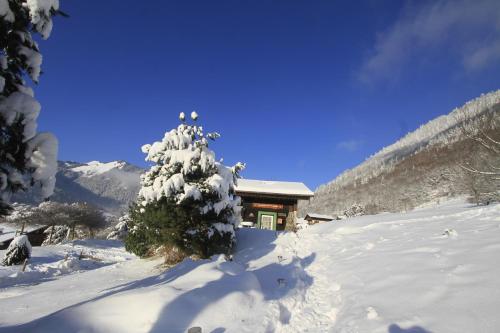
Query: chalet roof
x=8, y=230
x=273, y=187
x=319, y=216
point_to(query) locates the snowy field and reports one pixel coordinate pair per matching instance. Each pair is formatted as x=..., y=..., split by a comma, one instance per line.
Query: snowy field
x=431, y=270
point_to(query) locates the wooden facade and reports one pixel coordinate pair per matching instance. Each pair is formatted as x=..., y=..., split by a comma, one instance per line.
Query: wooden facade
x=273, y=211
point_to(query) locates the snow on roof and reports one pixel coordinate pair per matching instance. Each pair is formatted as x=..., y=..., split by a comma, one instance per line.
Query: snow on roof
x=319, y=216
x=8, y=230
x=273, y=187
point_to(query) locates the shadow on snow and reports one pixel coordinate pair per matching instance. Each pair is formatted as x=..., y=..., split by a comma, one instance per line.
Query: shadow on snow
x=394, y=328
x=275, y=280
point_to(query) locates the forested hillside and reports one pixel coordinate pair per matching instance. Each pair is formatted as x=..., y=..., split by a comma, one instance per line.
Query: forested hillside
x=452, y=155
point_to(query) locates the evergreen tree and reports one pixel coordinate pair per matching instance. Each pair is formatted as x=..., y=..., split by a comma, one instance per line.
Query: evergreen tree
x=26, y=157
x=18, y=251
x=187, y=199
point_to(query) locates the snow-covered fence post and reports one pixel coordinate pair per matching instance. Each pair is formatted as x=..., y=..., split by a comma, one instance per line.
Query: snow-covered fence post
x=51, y=233
x=24, y=265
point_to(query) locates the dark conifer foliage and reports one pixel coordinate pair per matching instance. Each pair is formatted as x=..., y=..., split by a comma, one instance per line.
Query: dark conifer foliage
x=26, y=158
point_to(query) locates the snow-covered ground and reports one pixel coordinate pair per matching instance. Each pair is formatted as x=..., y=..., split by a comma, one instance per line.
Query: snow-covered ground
x=431, y=270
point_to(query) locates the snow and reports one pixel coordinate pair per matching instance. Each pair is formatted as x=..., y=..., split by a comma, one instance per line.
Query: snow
x=40, y=15
x=430, y=270
x=42, y=151
x=190, y=191
x=97, y=168
x=19, y=251
x=184, y=151
x=21, y=103
x=21, y=241
x=33, y=61
x=221, y=229
x=273, y=187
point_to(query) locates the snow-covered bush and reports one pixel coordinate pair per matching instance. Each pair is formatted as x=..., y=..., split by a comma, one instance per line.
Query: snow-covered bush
x=56, y=234
x=120, y=230
x=18, y=251
x=187, y=199
x=26, y=158
x=354, y=210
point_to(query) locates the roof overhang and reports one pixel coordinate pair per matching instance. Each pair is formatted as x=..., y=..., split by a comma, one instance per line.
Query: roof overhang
x=295, y=190
x=273, y=195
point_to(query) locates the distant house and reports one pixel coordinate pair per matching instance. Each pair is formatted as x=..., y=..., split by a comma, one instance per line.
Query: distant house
x=8, y=231
x=270, y=204
x=312, y=218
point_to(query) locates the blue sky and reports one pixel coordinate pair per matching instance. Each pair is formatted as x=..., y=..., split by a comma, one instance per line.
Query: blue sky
x=299, y=90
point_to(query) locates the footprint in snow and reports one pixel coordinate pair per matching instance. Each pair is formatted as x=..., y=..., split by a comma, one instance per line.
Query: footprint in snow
x=284, y=314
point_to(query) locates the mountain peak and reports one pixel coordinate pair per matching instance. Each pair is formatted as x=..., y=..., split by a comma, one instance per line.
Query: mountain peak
x=97, y=168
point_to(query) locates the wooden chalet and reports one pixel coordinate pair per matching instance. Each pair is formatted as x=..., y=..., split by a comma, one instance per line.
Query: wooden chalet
x=312, y=218
x=270, y=204
x=8, y=231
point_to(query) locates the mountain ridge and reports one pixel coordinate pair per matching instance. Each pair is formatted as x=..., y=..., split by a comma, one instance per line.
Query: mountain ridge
x=110, y=186
x=415, y=155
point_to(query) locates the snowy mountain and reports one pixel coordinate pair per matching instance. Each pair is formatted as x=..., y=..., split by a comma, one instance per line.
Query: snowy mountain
x=111, y=186
x=420, y=167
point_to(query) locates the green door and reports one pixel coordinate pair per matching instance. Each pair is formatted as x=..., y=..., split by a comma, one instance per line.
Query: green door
x=267, y=220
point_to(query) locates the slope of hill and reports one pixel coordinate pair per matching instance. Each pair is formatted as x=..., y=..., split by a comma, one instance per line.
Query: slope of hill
x=429, y=270
x=110, y=186
x=418, y=168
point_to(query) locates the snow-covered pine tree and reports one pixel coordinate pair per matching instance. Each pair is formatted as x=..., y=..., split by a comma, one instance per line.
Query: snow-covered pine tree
x=187, y=200
x=26, y=157
x=19, y=250
x=120, y=230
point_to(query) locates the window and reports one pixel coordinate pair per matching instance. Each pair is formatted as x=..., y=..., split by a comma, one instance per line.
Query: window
x=267, y=221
